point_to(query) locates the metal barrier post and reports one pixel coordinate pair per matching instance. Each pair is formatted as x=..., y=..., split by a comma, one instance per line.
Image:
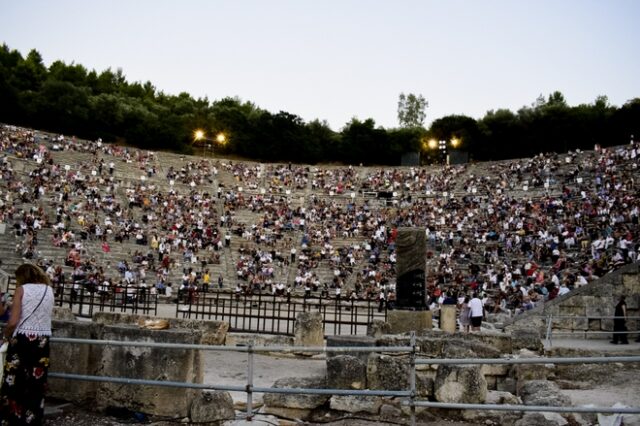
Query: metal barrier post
x=250, y=381
x=412, y=378
x=549, y=329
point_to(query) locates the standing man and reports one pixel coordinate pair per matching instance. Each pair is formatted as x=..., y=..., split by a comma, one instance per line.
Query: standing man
x=476, y=311
x=620, y=323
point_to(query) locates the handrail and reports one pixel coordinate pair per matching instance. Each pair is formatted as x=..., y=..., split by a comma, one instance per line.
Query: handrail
x=409, y=396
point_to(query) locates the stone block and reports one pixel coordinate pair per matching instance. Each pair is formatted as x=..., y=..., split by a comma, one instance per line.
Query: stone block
x=296, y=400
x=580, y=324
x=424, y=383
x=180, y=365
x=388, y=373
x=356, y=403
x=448, y=318
x=491, y=382
x=244, y=339
x=460, y=384
x=378, y=328
x=495, y=369
x=575, y=301
x=543, y=392
x=62, y=313
x=498, y=341
x=210, y=332
x=406, y=321
x=506, y=384
x=541, y=419
x=346, y=372
x=501, y=397
x=213, y=406
x=526, y=372
x=600, y=307
x=526, y=338
x=430, y=347
x=297, y=415
x=308, y=330
x=390, y=413
x=572, y=311
x=74, y=359
x=351, y=341
x=469, y=348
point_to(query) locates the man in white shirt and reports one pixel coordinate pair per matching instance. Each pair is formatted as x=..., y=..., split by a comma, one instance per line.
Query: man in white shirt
x=476, y=311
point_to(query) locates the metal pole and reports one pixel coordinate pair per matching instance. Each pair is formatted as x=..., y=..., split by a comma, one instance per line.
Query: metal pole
x=412, y=378
x=538, y=408
x=544, y=360
x=549, y=328
x=250, y=382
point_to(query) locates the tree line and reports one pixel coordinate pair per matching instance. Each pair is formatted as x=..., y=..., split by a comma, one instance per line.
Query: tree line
x=70, y=99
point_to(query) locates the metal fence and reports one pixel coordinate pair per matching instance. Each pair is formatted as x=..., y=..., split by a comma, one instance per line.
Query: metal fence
x=277, y=314
x=408, y=396
x=84, y=300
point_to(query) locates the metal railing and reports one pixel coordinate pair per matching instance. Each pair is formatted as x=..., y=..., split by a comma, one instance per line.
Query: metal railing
x=277, y=314
x=409, y=396
x=84, y=300
x=584, y=332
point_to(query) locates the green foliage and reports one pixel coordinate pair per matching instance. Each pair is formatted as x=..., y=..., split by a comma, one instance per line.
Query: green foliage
x=70, y=99
x=411, y=110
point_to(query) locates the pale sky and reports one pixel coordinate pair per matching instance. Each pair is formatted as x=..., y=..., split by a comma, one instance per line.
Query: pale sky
x=338, y=59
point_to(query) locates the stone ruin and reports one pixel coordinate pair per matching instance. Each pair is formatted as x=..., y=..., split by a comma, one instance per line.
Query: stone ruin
x=499, y=384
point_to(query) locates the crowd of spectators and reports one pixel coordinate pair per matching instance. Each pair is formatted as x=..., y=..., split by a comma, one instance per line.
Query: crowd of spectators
x=518, y=232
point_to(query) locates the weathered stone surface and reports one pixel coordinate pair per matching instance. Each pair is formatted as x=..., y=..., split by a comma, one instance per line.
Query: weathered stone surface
x=212, y=407
x=388, y=373
x=543, y=392
x=541, y=419
x=298, y=401
x=405, y=321
x=526, y=338
x=497, y=340
x=499, y=397
x=506, y=384
x=356, y=403
x=424, y=384
x=461, y=348
x=526, y=372
x=86, y=360
x=308, y=329
x=179, y=365
x=378, y=328
x=209, y=332
x=448, y=318
x=460, y=383
x=351, y=341
x=296, y=414
x=244, y=339
x=495, y=369
x=390, y=413
x=346, y=372
x=62, y=313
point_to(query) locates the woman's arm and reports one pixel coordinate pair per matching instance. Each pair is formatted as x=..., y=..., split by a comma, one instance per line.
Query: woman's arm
x=16, y=309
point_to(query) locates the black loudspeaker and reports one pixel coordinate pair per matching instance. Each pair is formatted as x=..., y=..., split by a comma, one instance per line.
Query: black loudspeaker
x=410, y=291
x=411, y=247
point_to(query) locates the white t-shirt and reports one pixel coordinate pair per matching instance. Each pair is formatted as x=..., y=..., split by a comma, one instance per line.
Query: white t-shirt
x=475, y=307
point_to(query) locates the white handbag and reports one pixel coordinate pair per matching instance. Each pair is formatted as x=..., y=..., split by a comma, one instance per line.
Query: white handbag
x=3, y=354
